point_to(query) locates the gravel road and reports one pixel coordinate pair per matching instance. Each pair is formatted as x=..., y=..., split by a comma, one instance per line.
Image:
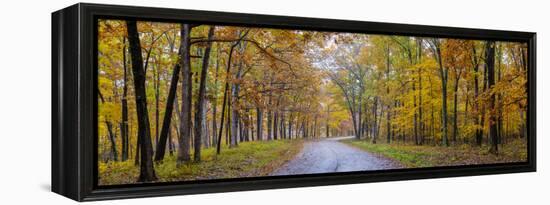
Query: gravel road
x=330, y=155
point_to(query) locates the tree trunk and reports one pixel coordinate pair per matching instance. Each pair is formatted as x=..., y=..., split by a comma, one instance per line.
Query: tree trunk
x=170, y=144
x=259, y=122
x=157, y=99
x=275, y=127
x=112, y=138
x=234, y=112
x=478, y=130
x=388, y=106
x=185, y=120
x=375, y=127
x=235, y=89
x=215, y=100
x=147, y=172
x=327, y=131
x=225, y=97
x=499, y=96
x=138, y=144
x=269, y=125
x=124, y=122
x=290, y=126
x=201, y=102
x=455, y=109
x=283, y=128
x=490, y=64
x=420, y=119
x=443, y=75
x=165, y=130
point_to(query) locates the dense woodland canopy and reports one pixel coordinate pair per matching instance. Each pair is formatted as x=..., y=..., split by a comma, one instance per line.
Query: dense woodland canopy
x=169, y=89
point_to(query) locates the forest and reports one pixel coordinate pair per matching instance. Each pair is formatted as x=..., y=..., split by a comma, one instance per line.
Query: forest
x=180, y=102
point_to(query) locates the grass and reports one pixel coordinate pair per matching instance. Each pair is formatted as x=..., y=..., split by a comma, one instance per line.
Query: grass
x=414, y=156
x=249, y=159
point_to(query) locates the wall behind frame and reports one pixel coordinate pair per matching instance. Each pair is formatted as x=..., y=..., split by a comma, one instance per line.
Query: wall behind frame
x=25, y=105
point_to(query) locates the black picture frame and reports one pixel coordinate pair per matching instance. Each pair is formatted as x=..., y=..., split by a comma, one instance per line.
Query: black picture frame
x=74, y=102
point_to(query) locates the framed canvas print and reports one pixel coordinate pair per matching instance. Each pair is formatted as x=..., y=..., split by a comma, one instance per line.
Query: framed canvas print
x=155, y=101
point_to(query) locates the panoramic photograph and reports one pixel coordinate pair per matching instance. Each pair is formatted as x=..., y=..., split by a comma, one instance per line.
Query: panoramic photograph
x=180, y=102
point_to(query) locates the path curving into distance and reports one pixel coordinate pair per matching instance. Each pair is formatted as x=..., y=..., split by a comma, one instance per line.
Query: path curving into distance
x=329, y=155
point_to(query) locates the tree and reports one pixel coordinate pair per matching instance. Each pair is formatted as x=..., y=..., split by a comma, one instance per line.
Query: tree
x=171, y=101
x=443, y=75
x=226, y=87
x=124, y=103
x=200, y=106
x=147, y=172
x=270, y=84
x=457, y=56
x=186, y=87
x=490, y=64
x=478, y=127
x=165, y=130
x=111, y=133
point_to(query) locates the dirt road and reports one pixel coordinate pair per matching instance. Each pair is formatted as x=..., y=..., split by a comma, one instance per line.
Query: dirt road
x=330, y=155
